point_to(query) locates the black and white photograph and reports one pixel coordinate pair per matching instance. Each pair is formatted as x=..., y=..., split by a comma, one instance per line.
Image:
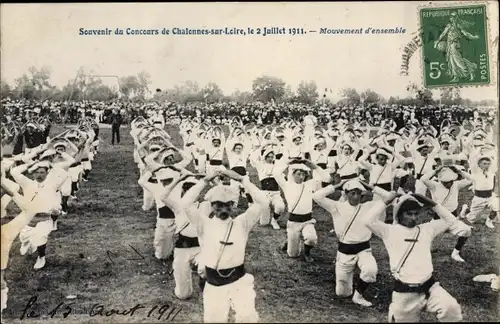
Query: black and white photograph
x=273, y=162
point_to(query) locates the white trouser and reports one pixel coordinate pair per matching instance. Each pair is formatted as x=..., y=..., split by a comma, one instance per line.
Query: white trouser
x=75, y=173
x=407, y=307
x=202, y=160
x=239, y=295
x=86, y=165
x=481, y=207
x=148, y=200
x=36, y=236
x=296, y=230
x=66, y=187
x=183, y=258
x=164, y=237
x=344, y=270
x=276, y=203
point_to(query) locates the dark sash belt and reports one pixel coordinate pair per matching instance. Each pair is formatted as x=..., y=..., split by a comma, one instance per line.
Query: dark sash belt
x=215, y=162
x=223, y=277
x=75, y=164
x=185, y=242
x=279, y=156
x=353, y=248
x=152, y=180
x=349, y=176
x=269, y=184
x=322, y=165
x=165, y=212
x=423, y=288
x=300, y=218
x=325, y=184
x=85, y=160
x=240, y=170
x=385, y=186
x=483, y=193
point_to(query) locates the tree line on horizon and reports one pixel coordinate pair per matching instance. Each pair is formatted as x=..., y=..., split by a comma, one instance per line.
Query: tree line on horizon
x=35, y=85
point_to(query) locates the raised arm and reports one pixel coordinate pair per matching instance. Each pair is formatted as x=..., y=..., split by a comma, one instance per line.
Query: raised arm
x=19, y=177
x=426, y=178
x=320, y=197
x=452, y=223
x=278, y=174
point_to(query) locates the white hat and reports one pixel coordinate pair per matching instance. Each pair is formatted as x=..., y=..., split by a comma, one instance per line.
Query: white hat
x=166, y=173
x=483, y=156
x=447, y=175
x=298, y=166
x=296, y=135
x=41, y=164
x=154, y=146
x=353, y=184
x=222, y=193
x=267, y=151
x=380, y=151
x=425, y=144
x=48, y=152
x=319, y=140
x=401, y=200
x=168, y=152
x=392, y=137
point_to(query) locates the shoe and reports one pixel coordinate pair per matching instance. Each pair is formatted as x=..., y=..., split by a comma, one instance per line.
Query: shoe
x=274, y=224
x=332, y=231
x=40, y=263
x=489, y=223
x=357, y=298
x=484, y=277
x=64, y=213
x=455, y=255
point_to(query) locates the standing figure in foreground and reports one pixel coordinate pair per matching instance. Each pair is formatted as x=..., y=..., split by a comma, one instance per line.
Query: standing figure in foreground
x=116, y=121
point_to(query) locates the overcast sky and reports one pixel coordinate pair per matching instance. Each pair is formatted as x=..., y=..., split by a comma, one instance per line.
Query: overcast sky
x=48, y=35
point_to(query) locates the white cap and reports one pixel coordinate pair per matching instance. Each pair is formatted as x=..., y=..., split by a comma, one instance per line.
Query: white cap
x=154, y=146
x=48, y=152
x=447, y=175
x=222, y=193
x=298, y=166
x=41, y=164
x=353, y=184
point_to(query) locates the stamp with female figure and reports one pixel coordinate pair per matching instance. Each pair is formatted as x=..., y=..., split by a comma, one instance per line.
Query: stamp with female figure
x=455, y=46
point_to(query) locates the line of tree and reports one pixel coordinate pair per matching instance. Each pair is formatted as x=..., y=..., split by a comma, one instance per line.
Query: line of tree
x=35, y=84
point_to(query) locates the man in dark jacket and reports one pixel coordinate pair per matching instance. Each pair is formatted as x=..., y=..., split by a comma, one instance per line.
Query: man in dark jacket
x=116, y=120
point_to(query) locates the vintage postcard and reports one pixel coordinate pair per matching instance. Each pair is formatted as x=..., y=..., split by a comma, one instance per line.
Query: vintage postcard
x=249, y=162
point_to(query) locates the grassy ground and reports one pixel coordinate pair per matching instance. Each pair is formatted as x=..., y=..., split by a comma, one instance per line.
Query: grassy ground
x=92, y=256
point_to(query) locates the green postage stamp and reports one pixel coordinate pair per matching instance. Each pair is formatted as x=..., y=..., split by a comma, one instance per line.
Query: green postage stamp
x=455, y=46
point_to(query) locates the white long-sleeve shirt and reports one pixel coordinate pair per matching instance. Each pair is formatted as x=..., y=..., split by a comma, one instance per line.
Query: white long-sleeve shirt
x=418, y=266
x=213, y=231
